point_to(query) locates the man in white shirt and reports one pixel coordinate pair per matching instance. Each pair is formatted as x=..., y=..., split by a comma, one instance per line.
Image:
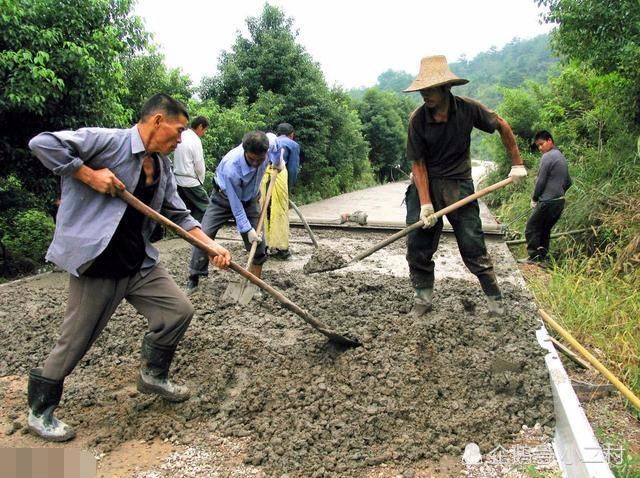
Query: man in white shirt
x=189, y=168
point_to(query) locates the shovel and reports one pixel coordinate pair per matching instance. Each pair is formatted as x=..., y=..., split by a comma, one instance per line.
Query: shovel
x=279, y=296
x=419, y=224
x=304, y=223
x=242, y=291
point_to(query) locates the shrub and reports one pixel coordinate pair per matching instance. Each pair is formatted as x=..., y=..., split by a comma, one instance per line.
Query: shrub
x=29, y=235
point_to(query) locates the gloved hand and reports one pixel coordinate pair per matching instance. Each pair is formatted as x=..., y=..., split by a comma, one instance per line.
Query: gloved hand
x=253, y=236
x=427, y=215
x=533, y=204
x=518, y=173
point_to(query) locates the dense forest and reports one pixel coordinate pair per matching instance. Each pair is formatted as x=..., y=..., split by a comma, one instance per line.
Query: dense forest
x=68, y=64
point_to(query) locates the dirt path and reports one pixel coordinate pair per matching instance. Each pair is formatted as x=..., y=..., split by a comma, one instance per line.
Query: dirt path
x=271, y=397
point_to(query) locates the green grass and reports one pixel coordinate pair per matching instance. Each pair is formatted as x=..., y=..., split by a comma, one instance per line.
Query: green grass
x=623, y=463
x=599, y=308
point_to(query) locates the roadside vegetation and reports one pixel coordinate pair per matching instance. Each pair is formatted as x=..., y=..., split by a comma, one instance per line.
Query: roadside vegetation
x=592, y=107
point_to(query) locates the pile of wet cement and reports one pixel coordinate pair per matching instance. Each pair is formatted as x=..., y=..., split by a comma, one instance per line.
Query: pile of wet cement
x=418, y=388
x=324, y=259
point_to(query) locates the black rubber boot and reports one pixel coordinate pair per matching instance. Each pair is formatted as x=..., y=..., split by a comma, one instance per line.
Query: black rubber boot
x=154, y=373
x=192, y=282
x=44, y=395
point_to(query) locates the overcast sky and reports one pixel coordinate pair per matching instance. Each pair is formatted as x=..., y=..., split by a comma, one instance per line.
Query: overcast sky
x=353, y=40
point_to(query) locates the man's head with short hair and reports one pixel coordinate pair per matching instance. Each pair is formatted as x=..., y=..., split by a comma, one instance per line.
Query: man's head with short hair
x=543, y=134
x=199, y=125
x=284, y=128
x=255, y=145
x=199, y=121
x=543, y=141
x=165, y=104
x=162, y=121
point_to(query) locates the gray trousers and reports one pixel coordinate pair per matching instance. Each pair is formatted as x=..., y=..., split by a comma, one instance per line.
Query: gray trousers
x=92, y=302
x=217, y=214
x=467, y=227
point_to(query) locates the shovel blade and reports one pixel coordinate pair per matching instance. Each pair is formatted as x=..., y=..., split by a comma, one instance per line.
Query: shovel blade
x=248, y=291
x=233, y=290
x=240, y=291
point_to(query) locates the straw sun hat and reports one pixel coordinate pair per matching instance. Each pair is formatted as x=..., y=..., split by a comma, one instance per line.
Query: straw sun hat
x=434, y=71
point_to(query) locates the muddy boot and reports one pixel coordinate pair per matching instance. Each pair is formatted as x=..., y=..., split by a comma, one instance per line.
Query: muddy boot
x=192, y=283
x=495, y=305
x=154, y=373
x=44, y=395
x=281, y=254
x=422, y=299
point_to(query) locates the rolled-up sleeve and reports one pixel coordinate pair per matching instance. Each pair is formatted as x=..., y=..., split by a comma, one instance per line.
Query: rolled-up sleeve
x=64, y=152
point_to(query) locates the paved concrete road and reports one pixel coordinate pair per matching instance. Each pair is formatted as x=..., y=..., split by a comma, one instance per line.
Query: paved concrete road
x=384, y=206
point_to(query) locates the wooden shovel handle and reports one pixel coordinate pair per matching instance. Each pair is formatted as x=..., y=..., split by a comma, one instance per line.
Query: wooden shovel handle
x=134, y=202
x=438, y=214
x=305, y=224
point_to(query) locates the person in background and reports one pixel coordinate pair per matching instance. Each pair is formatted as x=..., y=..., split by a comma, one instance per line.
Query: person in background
x=547, y=200
x=105, y=246
x=236, y=195
x=277, y=219
x=189, y=168
x=438, y=147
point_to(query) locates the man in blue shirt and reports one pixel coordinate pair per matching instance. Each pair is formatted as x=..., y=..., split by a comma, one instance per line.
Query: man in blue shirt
x=236, y=194
x=105, y=246
x=276, y=225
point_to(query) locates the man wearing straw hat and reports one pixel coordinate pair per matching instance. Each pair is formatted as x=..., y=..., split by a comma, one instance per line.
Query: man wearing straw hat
x=438, y=147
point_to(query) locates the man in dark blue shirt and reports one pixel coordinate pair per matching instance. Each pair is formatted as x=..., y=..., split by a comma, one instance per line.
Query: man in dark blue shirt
x=276, y=225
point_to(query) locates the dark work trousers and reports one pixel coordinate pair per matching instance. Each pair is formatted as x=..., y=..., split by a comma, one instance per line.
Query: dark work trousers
x=538, y=230
x=217, y=214
x=467, y=227
x=196, y=199
x=92, y=301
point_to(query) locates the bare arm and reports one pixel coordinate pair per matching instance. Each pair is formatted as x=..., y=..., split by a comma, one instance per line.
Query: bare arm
x=421, y=181
x=509, y=142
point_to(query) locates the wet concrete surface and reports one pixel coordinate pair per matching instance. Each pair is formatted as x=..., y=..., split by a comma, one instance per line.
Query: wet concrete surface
x=417, y=390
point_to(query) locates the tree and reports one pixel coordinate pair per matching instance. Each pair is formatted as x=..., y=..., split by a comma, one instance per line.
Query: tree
x=60, y=68
x=146, y=74
x=277, y=79
x=269, y=60
x=517, y=62
x=602, y=34
x=384, y=118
